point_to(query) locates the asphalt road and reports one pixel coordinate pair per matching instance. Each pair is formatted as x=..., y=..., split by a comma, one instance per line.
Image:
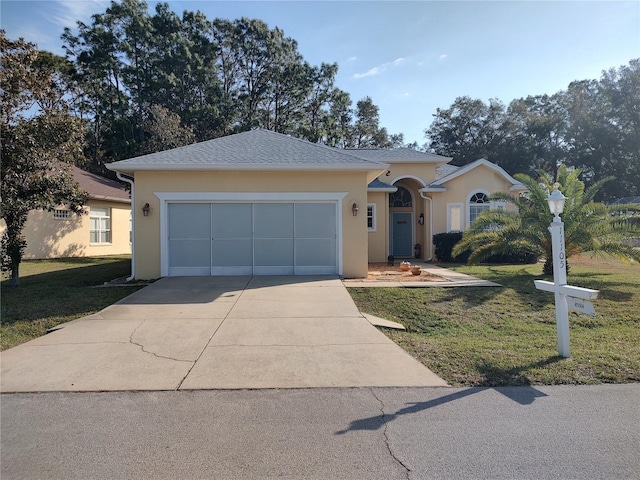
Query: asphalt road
x=559, y=432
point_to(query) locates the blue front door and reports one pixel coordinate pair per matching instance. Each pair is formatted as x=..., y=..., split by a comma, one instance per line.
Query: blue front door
x=401, y=234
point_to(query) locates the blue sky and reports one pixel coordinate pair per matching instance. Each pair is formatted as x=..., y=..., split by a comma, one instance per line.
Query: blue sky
x=411, y=57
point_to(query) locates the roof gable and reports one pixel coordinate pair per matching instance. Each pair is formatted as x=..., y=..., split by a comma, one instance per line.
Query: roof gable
x=251, y=150
x=515, y=185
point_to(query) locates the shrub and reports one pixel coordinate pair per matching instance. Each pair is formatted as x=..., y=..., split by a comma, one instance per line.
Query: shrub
x=444, y=243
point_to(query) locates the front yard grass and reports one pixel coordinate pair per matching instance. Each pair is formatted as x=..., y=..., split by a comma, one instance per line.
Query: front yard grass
x=57, y=291
x=506, y=336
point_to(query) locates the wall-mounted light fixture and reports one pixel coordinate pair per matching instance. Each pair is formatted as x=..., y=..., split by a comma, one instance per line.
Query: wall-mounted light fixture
x=145, y=209
x=421, y=219
x=354, y=209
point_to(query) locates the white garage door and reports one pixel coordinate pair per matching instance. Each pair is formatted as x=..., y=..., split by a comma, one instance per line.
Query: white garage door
x=252, y=238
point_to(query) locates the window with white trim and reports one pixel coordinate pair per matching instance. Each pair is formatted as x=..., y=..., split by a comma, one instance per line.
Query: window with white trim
x=454, y=217
x=62, y=213
x=478, y=203
x=371, y=217
x=100, y=229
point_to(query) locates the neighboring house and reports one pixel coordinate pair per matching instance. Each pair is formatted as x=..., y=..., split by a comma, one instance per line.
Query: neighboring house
x=264, y=203
x=104, y=230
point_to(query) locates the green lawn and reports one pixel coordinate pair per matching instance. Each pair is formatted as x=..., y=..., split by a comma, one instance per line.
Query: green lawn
x=506, y=336
x=57, y=291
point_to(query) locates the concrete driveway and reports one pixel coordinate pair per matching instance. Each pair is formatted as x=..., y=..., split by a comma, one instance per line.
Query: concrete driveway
x=217, y=333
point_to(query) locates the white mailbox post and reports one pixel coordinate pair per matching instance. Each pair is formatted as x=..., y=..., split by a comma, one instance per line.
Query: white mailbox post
x=566, y=296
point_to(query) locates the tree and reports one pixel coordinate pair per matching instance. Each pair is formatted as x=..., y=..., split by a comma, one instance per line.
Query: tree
x=163, y=131
x=468, y=130
x=37, y=149
x=589, y=226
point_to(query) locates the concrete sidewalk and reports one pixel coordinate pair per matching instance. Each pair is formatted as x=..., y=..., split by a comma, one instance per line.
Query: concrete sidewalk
x=217, y=333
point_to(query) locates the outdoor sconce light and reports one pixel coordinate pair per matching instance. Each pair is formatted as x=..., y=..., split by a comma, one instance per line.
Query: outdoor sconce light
x=354, y=209
x=421, y=219
x=145, y=209
x=556, y=201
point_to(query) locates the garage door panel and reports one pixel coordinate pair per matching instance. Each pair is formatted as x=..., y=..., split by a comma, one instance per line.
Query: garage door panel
x=315, y=220
x=273, y=220
x=273, y=251
x=189, y=257
x=189, y=220
x=229, y=252
x=315, y=252
x=232, y=220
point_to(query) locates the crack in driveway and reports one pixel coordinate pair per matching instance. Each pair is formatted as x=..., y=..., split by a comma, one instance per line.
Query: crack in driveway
x=152, y=353
x=387, y=442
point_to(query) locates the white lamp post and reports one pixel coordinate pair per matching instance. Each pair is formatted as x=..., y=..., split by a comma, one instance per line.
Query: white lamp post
x=566, y=296
x=556, y=206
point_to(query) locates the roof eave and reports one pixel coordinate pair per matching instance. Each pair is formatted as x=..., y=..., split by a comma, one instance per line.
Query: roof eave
x=377, y=167
x=109, y=199
x=433, y=188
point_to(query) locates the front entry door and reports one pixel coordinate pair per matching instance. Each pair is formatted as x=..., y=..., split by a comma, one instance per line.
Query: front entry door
x=401, y=234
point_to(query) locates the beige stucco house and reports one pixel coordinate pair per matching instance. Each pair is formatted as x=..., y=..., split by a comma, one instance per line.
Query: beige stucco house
x=103, y=230
x=264, y=203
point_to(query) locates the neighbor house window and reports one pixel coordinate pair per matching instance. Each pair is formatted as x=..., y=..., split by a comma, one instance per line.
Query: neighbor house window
x=454, y=217
x=61, y=214
x=100, y=225
x=371, y=217
x=478, y=203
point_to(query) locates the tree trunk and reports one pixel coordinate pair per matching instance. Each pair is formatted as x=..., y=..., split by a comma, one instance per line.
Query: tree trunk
x=15, y=273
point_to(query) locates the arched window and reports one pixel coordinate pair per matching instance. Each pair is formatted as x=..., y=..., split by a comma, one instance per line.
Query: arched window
x=401, y=198
x=478, y=203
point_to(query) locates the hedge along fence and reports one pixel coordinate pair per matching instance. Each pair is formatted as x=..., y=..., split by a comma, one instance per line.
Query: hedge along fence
x=444, y=243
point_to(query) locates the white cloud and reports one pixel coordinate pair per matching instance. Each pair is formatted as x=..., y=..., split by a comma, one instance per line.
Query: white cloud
x=352, y=59
x=379, y=69
x=68, y=12
x=369, y=73
x=442, y=57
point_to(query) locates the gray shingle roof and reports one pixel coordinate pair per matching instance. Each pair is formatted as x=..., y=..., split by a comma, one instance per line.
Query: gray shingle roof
x=252, y=150
x=444, y=170
x=378, y=185
x=397, y=155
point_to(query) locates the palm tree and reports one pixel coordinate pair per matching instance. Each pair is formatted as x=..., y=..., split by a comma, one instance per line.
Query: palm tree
x=589, y=226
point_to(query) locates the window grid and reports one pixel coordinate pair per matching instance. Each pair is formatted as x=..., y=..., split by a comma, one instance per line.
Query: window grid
x=478, y=203
x=401, y=198
x=100, y=228
x=61, y=213
x=371, y=217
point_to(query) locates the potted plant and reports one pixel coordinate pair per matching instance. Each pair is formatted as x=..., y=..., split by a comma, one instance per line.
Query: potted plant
x=405, y=266
x=416, y=270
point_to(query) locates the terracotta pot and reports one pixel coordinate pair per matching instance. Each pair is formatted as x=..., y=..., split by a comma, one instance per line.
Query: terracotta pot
x=404, y=267
x=416, y=270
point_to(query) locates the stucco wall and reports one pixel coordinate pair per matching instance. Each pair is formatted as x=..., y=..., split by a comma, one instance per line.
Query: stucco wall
x=480, y=179
x=49, y=237
x=379, y=240
x=148, y=184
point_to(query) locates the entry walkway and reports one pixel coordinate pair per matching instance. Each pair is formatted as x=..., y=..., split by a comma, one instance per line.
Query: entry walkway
x=193, y=333
x=449, y=278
